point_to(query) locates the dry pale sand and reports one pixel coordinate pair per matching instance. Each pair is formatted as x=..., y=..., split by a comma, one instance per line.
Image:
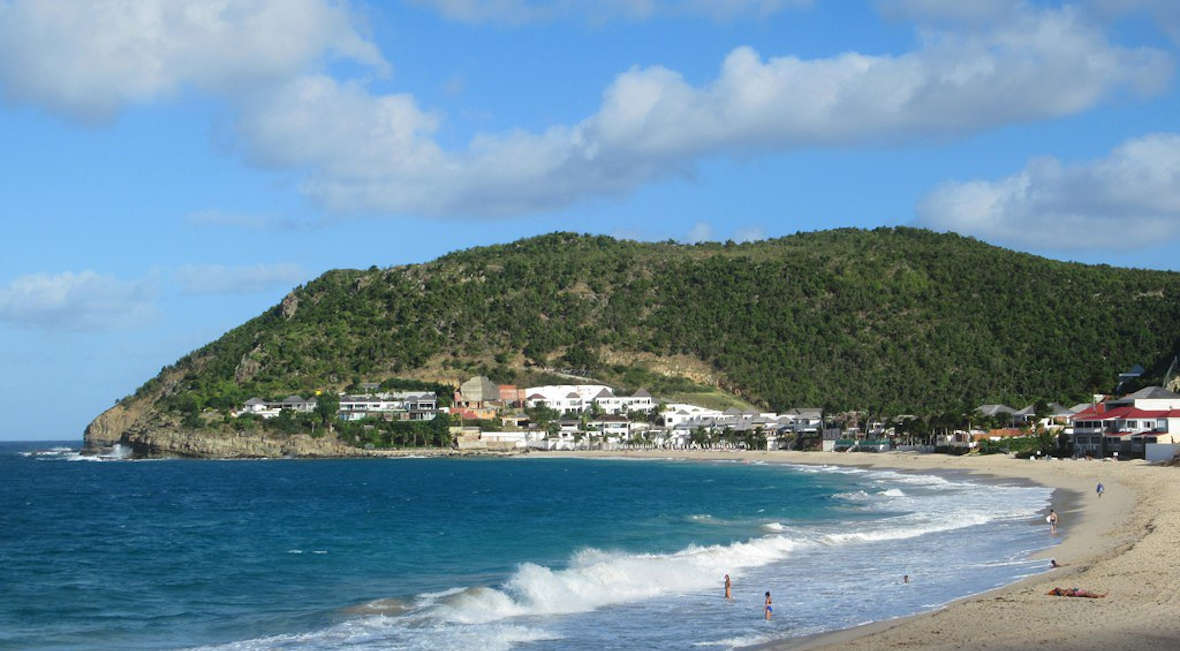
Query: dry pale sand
x=1126, y=544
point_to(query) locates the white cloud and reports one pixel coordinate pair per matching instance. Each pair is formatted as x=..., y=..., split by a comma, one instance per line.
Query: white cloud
x=88, y=58
x=1129, y=198
x=77, y=301
x=377, y=153
x=700, y=232
x=749, y=234
x=531, y=11
x=220, y=279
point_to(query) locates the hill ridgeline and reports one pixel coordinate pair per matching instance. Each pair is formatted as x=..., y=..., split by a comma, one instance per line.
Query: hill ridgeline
x=893, y=320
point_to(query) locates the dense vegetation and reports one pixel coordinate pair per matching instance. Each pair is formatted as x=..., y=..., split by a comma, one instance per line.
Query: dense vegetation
x=888, y=321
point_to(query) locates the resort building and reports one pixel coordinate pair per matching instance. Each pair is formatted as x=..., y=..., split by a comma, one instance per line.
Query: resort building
x=564, y=398
x=609, y=403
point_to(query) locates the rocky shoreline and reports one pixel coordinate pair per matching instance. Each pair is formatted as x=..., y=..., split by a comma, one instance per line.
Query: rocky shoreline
x=150, y=434
x=171, y=443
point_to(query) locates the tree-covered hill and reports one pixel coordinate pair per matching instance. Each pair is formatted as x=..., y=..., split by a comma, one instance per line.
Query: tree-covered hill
x=889, y=320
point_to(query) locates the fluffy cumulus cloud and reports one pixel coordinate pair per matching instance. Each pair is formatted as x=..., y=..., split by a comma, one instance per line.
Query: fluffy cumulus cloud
x=529, y=11
x=1129, y=198
x=354, y=150
x=377, y=153
x=83, y=301
x=248, y=279
x=88, y=58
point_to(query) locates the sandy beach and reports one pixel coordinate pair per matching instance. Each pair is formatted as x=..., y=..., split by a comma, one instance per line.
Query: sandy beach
x=1124, y=544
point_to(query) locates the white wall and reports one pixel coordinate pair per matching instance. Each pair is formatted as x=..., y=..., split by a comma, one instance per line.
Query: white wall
x=1160, y=451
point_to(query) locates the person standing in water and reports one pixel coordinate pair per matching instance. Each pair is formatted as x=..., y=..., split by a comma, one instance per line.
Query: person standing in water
x=728, y=589
x=769, y=608
x=1052, y=521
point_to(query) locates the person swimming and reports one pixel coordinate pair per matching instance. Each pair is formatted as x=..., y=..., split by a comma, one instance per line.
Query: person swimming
x=769, y=607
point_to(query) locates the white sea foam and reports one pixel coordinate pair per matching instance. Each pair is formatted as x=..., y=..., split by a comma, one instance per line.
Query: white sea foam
x=382, y=632
x=500, y=617
x=597, y=578
x=741, y=641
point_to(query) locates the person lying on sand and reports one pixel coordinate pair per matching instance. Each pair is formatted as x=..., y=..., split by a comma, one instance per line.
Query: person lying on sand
x=1074, y=592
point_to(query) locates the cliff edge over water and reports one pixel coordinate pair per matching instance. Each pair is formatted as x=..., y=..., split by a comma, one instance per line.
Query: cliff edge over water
x=894, y=320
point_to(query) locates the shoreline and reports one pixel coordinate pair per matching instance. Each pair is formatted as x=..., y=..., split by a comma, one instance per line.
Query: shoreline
x=1121, y=544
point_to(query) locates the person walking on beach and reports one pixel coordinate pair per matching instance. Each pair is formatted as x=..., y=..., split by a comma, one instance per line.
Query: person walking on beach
x=728, y=589
x=1100, y=489
x=1052, y=521
x=768, y=608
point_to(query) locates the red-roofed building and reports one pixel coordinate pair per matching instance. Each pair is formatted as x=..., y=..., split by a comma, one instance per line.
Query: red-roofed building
x=1125, y=429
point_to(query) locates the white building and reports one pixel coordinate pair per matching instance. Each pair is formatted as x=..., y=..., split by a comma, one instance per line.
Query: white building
x=678, y=413
x=612, y=404
x=565, y=398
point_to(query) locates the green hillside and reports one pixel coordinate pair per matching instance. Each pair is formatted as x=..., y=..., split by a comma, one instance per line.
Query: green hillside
x=890, y=320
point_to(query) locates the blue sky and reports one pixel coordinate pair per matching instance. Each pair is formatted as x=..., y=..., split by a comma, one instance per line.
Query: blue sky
x=174, y=167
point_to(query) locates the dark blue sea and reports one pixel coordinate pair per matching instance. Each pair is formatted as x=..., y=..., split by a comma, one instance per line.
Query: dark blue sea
x=529, y=553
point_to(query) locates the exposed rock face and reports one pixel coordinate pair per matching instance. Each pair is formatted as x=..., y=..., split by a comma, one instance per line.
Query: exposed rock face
x=169, y=442
x=249, y=366
x=108, y=428
x=290, y=305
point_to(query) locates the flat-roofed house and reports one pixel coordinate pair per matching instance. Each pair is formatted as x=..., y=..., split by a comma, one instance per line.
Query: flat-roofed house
x=297, y=403
x=511, y=395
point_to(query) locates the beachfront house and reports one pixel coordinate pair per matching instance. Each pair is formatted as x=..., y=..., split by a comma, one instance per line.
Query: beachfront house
x=1000, y=414
x=1130, y=426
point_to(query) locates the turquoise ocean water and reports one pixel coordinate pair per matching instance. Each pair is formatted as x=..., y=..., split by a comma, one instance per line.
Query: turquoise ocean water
x=528, y=553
